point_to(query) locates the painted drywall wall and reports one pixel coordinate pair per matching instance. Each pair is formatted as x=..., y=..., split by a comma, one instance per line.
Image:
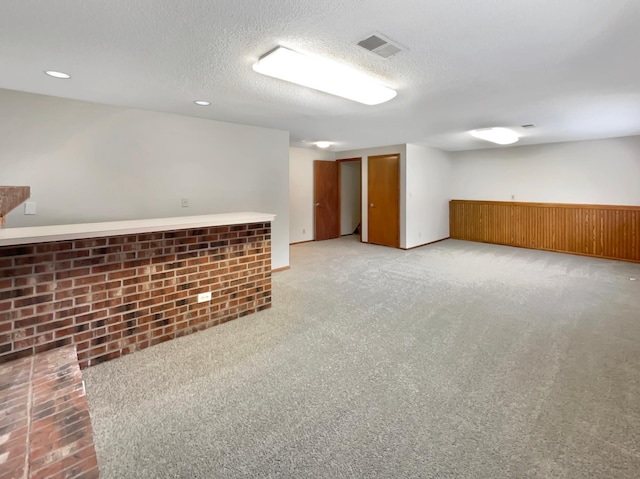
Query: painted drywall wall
x=350, y=194
x=89, y=162
x=364, y=154
x=591, y=172
x=301, y=191
x=428, y=183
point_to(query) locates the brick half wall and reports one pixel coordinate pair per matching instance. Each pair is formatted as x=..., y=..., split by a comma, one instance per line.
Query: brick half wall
x=115, y=295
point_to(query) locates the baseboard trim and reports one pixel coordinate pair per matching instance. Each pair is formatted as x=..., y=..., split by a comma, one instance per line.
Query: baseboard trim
x=425, y=244
x=277, y=270
x=301, y=242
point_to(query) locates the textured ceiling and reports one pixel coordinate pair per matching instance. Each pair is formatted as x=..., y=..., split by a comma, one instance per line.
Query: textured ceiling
x=570, y=67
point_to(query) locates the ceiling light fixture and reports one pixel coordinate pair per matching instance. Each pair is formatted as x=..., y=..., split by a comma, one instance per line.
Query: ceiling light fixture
x=501, y=136
x=323, y=75
x=202, y=102
x=323, y=144
x=60, y=75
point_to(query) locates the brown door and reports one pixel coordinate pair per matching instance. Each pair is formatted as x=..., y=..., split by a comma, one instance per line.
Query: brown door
x=384, y=200
x=326, y=196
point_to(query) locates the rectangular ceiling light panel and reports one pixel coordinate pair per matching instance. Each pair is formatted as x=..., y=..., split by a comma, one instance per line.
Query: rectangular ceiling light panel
x=323, y=75
x=501, y=136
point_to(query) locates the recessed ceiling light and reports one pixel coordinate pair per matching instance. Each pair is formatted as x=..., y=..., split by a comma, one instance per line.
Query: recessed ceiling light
x=323, y=144
x=501, y=136
x=323, y=75
x=60, y=75
x=202, y=102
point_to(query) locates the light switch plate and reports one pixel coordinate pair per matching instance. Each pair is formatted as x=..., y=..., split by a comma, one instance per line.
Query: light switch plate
x=30, y=208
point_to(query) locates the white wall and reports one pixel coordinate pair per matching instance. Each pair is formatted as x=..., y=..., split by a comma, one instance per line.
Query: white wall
x=364, y=154
x=590, y=172
x=427, y=195
x=89, y=162
x=350, y=194
x=301, y=191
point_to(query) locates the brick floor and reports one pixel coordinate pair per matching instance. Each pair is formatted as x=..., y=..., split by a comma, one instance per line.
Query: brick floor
x=45, y=428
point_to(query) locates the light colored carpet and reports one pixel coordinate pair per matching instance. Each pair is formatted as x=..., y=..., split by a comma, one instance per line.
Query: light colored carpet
x=454, y=360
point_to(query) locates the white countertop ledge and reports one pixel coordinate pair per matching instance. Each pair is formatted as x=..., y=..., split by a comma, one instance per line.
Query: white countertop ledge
x=43, y=234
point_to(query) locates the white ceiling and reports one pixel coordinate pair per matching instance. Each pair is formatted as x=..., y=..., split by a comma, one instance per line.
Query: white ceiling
x=571, y=67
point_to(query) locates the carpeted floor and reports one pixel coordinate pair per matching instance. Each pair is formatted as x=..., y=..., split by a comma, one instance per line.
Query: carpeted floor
x=454, y=360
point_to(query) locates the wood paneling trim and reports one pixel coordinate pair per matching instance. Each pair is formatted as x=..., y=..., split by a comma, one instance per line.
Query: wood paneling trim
x=553, y=205
x=604, y=231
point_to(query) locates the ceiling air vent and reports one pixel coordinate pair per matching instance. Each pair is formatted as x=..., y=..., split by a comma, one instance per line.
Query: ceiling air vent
x=380, y=45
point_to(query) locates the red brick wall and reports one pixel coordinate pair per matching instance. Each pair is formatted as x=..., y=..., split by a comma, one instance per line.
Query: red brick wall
x=114, y=295
x=46, y=427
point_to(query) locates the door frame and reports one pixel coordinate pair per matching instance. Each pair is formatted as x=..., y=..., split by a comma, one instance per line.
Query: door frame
x=347, y=160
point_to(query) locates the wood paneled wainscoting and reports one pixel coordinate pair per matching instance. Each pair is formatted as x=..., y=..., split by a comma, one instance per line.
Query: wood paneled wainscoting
x=592, y=230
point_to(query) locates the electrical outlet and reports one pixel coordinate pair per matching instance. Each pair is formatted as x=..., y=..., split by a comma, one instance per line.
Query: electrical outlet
x=185, y=202
x=202, y=297
x=303, y=231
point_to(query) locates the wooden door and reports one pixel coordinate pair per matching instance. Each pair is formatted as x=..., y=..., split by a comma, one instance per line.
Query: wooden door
x=326, y=196
x=384, y=200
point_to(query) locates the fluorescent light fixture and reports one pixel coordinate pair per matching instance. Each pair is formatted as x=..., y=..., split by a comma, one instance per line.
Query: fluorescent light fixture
x=323, y=75
x=501, y=136
x=202, y=102
x=60, y=75
x=323, y=144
